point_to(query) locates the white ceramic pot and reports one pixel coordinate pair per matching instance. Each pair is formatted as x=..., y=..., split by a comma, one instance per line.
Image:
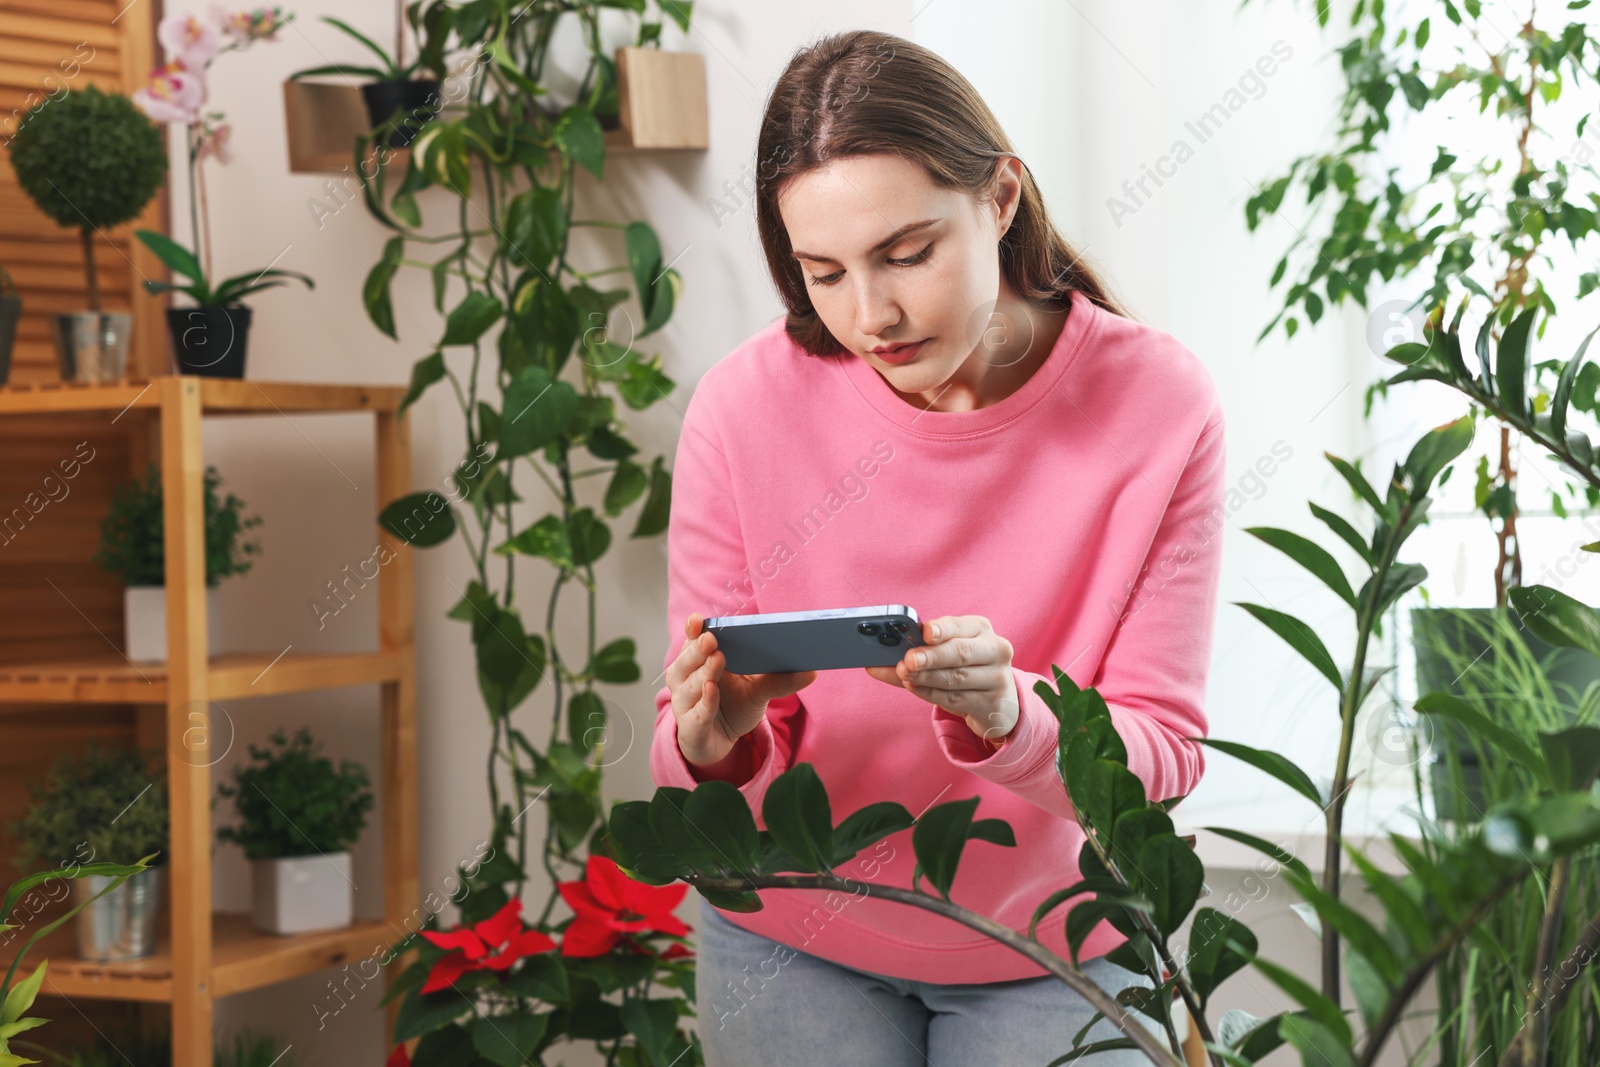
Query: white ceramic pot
x=144, y=623
x=302, y=893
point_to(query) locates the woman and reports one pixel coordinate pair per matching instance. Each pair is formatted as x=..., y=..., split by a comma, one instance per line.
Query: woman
x=955, y=415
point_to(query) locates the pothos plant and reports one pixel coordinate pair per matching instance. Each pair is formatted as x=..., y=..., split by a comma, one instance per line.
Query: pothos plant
x=503, y=163
x=1136, y=873
x=1500, y=197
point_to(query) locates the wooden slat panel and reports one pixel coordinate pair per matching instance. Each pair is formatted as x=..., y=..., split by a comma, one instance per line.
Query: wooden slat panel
x=96, y=11
x=66, y=29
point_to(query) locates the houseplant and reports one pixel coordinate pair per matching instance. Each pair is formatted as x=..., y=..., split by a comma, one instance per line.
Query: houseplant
x=101, y=806
x=17, y=997
x=90, y=161
x=516, y=305
x=133, y=546
x=210, y=338
x=298, y=817
x=398, y=102
x=10, y=312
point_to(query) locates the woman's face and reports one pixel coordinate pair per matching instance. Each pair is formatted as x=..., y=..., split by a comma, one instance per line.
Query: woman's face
x=890, y=258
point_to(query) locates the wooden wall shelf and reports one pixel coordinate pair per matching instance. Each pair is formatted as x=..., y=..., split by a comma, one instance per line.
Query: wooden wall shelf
x=241, y=960
x=202, y=956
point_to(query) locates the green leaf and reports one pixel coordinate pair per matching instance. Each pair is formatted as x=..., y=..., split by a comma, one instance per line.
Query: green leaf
x=653, y=1022
x=535, y=227
x=1281, y=855
x=657, y=289
x=1511, y=362
x=546, y=538
x=392, y=72
x=586, y=719
x=1556, y=618
x=798, y=816
x=1171, y=876
x=1320, y=1007
x=1280, y=767
x=588, y=535
x=1318, y=1044
x=1573, y=756
x=173, y=255
x=657, y=506
x=537, y=410
x=1563, y=394
x=1301, y=638
x=420, y=519
x=421, y=1014
x=938, y=840
x=628, y=482
x=1506, y=742
x=580, y=136
x=469, y=319
x=1434, y=451
x=615, y=663
x=424, y=373
x=508, y=1040
x=375, y=291
x=1219, y=947
x=719, y=812
x=867, y=826
x=21, y=996
x=635, y=847
x=1310, y=555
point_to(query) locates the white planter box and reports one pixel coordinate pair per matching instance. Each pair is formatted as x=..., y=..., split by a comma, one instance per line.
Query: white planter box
x=302, y=893
x=144, y=619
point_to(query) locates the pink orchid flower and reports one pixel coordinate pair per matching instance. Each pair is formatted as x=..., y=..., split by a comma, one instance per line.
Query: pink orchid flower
x=189, y=41
x=249, y=24
x=173, y=95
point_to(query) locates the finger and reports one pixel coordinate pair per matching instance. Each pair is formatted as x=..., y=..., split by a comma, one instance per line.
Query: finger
x=981, y=678
x=887, y=675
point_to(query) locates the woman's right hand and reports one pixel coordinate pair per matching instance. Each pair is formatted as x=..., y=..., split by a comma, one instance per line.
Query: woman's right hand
x=713, y=707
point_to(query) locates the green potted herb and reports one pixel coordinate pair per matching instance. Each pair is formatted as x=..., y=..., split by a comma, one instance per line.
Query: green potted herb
x=10, y=312
x=298, y=817
x=102, y=806
x=90, y=160
x=398, y=101
x=132, y=545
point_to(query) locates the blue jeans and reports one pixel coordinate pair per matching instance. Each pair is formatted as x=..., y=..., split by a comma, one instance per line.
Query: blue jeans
x=815, y=1011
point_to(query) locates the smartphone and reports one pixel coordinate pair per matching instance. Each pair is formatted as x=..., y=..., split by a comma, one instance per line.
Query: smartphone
x=825, y=640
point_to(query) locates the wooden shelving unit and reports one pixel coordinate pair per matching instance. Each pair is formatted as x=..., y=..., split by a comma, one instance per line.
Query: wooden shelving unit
x=205, y=956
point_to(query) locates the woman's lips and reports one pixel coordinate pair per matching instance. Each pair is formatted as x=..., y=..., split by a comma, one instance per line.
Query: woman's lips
x=903, y=353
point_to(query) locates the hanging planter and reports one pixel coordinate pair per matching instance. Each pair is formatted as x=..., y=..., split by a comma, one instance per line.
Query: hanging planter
x=398, y=101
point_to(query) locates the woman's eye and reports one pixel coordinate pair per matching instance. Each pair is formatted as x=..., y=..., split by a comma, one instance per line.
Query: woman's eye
x=909, y=261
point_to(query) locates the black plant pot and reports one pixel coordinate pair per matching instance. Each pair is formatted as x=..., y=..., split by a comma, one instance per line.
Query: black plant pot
x=1461, y=631
x=10, y=311
x=409, y=104
x=210, y=341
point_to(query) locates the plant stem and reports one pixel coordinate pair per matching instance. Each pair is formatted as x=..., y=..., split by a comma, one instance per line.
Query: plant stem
x=1527, y=1048
x=88, y=265
x=1074, y=978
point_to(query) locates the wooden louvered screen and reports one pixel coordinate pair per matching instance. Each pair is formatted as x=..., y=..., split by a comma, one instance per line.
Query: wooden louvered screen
x=46, y=47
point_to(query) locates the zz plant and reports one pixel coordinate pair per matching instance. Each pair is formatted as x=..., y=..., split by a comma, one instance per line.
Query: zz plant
x=539, y=426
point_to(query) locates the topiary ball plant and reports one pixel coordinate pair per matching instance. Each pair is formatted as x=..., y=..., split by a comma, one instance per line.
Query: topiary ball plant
x=131, y=535
x=104, y=805
x=294, y=802
x=90, y=160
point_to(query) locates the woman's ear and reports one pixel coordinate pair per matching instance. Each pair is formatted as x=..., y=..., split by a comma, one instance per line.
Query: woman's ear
x=1007, y=191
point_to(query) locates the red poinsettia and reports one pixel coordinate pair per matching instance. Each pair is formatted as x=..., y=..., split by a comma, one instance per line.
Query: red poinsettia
x=609, y=906
x=496, y=943
x=398, y=1058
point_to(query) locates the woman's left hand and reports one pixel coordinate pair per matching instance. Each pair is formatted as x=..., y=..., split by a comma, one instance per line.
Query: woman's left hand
x=965, y=668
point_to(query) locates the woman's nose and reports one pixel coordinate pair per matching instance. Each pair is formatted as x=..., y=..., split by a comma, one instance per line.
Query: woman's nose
x=876, y=310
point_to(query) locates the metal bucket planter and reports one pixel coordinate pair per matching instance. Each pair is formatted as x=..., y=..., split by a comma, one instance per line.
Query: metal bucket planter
x=122, y=924
x=92, y=346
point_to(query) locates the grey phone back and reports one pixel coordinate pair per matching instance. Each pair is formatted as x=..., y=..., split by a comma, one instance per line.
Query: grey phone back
x=829, y=639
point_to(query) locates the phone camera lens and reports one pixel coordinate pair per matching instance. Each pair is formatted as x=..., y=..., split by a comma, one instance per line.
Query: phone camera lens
x=899, y=626
x=889, y=639
x=870, y=629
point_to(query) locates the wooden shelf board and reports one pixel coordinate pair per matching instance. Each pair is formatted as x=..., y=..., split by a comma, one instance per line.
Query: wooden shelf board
x=110, y=679
x=241, y=959
x=222, y=396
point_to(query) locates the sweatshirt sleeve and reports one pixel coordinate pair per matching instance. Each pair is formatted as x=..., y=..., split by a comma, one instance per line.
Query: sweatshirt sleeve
x=707, y=571
x=1153, y=674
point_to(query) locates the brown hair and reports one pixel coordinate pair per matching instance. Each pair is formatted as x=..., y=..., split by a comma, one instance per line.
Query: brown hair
x=863, y=92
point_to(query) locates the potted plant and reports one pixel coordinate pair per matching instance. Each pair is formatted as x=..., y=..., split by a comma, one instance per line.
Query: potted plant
x=102, y=806
x=210, y=338
x=10, y=312
x=89, y=160
x=132, y=544
x=298, y=817
x=398, y=102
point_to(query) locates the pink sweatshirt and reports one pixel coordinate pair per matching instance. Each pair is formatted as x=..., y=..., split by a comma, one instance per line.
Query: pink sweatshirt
x=1081, y=515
